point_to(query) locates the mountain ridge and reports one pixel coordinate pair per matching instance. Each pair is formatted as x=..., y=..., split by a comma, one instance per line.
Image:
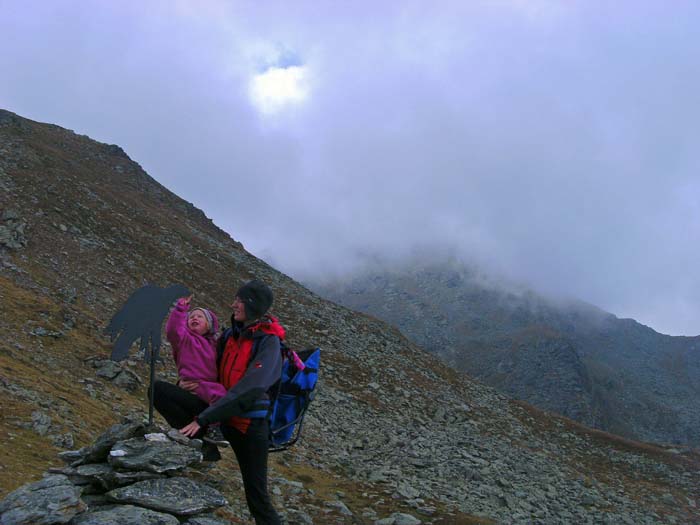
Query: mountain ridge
x=566, y=356
x=392, y=429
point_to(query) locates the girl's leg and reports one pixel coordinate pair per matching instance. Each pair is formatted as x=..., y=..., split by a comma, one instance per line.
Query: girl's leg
x=179, y=407
x=176, y=405
x=251, y=452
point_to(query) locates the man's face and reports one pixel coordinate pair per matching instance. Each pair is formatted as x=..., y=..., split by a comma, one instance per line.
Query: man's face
x=238, y=310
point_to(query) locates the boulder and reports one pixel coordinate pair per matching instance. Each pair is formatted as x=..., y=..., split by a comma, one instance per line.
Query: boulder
x=54, y=499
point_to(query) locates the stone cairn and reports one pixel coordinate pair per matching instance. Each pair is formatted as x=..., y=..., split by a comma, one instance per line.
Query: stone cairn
x=126, y=477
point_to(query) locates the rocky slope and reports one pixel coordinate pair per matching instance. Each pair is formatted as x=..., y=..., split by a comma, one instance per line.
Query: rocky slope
x=393, y=430
x=571, y=358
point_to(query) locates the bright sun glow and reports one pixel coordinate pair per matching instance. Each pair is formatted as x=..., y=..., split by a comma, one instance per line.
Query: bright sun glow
x=278, y=88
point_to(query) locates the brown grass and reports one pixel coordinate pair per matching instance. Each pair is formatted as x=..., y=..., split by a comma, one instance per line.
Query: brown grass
x=604, y=439
x=51, y=370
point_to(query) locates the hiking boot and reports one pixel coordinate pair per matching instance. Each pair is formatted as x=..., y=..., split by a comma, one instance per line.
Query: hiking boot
x=210, y=452
x=214, y=436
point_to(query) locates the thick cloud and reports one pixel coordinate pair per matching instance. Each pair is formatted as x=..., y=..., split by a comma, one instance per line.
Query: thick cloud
x=553, y=143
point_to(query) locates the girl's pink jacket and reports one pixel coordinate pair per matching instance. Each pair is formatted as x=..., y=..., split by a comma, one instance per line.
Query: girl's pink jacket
x=195, y=355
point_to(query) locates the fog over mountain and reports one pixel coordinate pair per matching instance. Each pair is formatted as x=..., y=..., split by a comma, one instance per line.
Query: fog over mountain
x=551, y=144
x=567, y=357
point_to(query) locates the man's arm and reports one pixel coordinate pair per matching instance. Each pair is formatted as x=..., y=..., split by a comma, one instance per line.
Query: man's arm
x=263, y=371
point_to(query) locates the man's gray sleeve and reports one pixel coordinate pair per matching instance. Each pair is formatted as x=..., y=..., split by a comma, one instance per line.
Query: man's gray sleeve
x=264, y=370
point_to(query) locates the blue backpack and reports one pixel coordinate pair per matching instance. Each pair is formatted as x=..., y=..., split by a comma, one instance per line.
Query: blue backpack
x=294, y=392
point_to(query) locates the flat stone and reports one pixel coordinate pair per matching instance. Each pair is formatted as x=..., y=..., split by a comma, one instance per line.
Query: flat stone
x=93, y=470
x=152, y=456
x=104, y=476
x=71, y=456
x=125, y=515
x=156, y=436
x=98, y=451
x=54, y=499
x=84, y=474
x=205, y=520
x=179, y=496
x=175, y=435
x=94, y=501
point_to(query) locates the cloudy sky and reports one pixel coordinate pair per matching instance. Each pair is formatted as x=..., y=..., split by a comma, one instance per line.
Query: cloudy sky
x=554, y=143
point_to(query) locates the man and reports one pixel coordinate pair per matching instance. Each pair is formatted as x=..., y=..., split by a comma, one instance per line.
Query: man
x=250, y=364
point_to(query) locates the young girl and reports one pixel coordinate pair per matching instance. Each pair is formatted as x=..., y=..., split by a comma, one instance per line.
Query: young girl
x=192, y=336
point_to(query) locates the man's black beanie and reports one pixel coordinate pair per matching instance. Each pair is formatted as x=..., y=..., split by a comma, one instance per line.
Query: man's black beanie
x=257, y=298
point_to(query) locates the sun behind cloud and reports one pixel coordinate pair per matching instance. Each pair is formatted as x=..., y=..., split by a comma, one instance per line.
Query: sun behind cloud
x=278, y=88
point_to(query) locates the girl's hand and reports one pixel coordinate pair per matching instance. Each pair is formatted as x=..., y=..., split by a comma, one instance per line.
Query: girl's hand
x=189, y=385
x=185, y=301
x=191, y=429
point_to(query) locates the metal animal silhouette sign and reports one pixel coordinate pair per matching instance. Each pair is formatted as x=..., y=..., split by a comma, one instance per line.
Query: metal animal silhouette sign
x=142, y=318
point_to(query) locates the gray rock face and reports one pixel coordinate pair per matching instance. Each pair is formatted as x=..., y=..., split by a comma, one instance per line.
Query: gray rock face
x=125, y=515
x=180, y=496
x=152, y=456
x=54, y=499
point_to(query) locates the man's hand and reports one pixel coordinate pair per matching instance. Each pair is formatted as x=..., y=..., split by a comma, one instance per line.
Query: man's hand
x=191, y=429
x=189, y=385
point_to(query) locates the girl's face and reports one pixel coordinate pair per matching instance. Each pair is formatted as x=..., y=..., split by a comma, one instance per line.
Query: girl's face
x=197, y=322
x=238, y=310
